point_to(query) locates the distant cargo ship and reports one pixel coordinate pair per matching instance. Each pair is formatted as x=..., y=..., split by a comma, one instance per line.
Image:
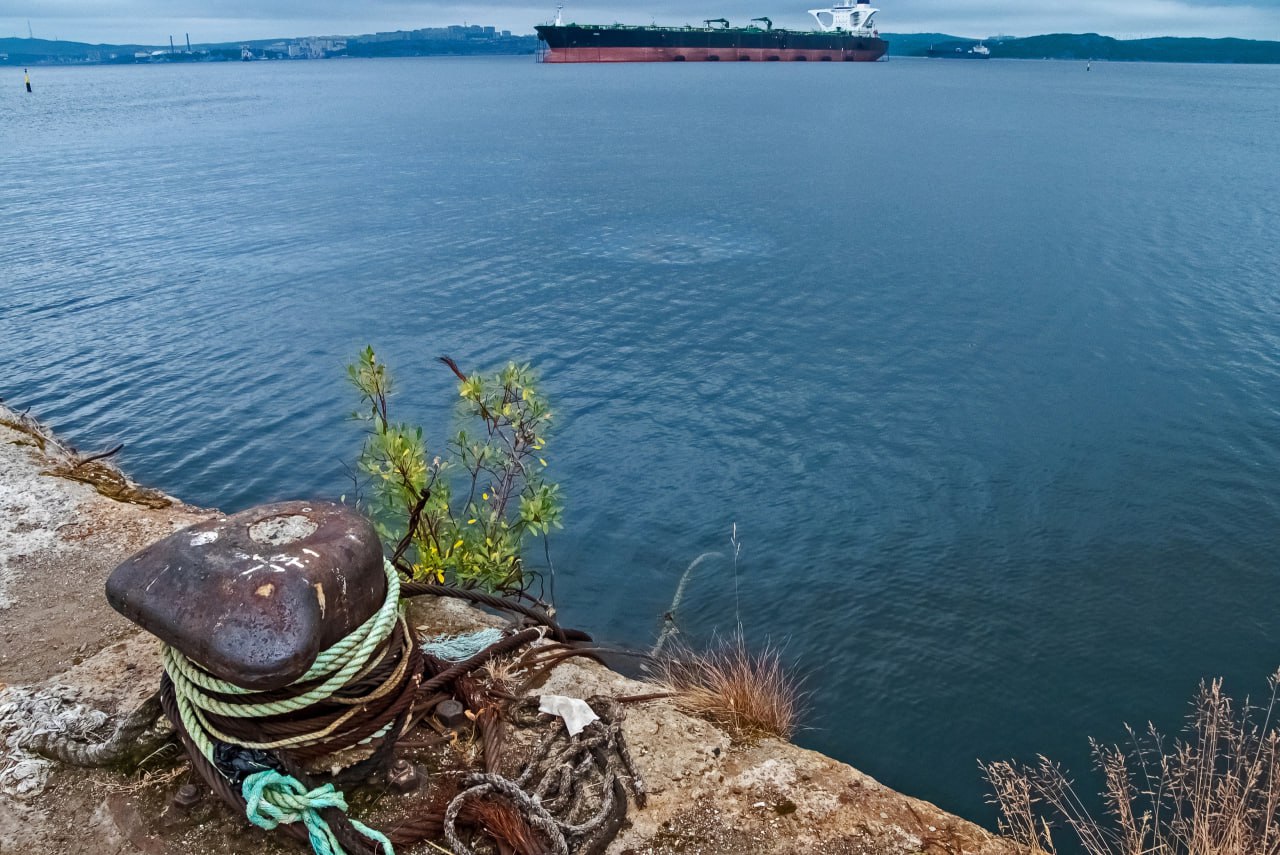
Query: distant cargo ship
x=846, y=32
x=978, y=51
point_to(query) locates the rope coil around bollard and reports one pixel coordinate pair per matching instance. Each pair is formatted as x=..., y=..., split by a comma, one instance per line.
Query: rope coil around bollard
x=200, y=693
x=250, y=745
x=362, y=688
x=271, y=798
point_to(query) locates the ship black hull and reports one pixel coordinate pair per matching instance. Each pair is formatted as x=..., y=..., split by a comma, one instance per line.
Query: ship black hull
x=573, y=43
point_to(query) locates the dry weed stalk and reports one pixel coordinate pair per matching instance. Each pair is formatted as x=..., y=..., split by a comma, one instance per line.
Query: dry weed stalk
x=148, y=780
x=74, y=466
x=748, y=694
x=1215, y=792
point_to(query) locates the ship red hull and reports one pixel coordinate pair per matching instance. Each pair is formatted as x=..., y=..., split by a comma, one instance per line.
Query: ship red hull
x=682, y=54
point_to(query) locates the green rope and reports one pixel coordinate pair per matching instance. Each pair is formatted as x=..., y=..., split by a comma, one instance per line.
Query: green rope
x=273, y=799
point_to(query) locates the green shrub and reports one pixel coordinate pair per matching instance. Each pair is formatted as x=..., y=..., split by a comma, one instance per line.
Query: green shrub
x=463, y=518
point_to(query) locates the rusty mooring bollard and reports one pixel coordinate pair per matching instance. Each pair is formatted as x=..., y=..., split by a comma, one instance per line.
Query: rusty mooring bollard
x=254, y=597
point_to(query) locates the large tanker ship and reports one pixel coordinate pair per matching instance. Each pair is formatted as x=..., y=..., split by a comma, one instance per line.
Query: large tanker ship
x=846, y=32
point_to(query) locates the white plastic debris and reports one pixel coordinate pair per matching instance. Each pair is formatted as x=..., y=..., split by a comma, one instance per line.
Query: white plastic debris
x=576, y=712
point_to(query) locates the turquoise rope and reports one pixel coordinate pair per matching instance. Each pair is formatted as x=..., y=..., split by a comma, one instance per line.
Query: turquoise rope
x=273, y=799
x=461, y=647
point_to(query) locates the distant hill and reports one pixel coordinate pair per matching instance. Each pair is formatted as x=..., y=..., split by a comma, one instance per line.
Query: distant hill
x=1094, y=46
x=915, y=44
x=44, y=51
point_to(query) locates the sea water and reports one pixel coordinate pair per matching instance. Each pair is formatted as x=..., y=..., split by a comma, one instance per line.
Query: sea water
x=982, y=360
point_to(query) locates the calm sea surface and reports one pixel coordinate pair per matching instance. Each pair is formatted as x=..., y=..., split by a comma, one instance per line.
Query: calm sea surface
x=983, y=359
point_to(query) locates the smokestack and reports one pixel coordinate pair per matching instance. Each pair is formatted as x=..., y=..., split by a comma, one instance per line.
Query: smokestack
x=188, y=43
x=171, y=44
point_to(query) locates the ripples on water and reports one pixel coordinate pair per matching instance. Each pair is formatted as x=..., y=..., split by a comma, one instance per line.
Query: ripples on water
x=982, y=360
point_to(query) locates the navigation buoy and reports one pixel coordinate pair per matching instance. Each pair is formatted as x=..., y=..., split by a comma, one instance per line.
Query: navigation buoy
x=27, y=76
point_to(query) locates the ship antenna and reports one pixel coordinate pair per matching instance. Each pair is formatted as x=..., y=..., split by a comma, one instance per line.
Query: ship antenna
x=559, y=19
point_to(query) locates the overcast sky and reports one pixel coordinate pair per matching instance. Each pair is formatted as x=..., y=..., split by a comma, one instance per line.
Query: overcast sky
x=153, y=21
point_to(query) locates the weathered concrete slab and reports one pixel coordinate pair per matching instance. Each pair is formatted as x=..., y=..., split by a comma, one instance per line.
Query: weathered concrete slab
x=58, y=541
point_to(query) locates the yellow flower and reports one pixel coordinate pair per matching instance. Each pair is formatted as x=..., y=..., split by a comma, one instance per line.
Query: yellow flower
x=471, y=522
x=484, y=496
x=459, y=543
x=543, y=462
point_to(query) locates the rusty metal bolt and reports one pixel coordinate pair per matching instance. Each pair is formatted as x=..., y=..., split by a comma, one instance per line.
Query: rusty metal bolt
x=452, y=714
x=403, y=777
x=187, y=797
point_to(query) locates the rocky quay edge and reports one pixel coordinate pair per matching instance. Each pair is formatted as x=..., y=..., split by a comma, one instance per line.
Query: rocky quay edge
x=58, y=541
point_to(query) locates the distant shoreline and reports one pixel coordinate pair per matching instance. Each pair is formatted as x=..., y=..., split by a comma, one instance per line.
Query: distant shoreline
x=1091, y=46
x=488, y=41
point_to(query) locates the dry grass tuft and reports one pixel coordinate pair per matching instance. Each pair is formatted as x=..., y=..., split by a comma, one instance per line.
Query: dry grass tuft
x=1214, y=792
x=750, y=695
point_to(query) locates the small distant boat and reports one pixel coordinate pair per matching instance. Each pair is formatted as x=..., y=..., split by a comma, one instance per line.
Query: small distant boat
x=978, y=51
